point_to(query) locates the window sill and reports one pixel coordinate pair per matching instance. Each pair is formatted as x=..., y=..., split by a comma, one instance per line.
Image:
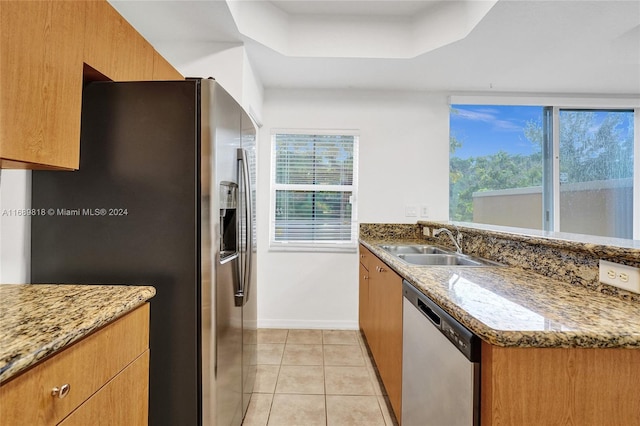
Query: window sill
x=329, y=248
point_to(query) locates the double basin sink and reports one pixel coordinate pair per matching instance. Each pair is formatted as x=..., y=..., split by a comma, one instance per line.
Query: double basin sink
x=428, y=255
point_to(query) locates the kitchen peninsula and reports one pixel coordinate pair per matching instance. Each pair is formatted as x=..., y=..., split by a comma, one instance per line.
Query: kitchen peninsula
x=68, y=351
x=556, y=344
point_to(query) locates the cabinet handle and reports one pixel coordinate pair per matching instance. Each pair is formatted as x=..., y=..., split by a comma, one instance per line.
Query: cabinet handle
x=362, y=256
x=365, y=277
x=62, y=391
x=380, y=269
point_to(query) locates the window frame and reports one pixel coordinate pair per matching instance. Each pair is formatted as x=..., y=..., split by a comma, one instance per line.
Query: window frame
x=317, y=245
x=551, y=192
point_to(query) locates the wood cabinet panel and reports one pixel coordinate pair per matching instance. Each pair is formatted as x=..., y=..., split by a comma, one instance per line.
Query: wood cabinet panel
x=163, y=70
x=363, y=300
x=553, y=386
x=380, y=316
x=45, y=46
x=365, y=257
x=86, y=366
x=122, y=401
x=364, y=307
x=41, y=79
x=388, y=308
x=113, y=47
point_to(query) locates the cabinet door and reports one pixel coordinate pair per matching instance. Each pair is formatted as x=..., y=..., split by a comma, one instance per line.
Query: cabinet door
x=553, y=386
x=364, y=308
x=85, y=366
x=385, y=301
x=390, y=308
x=363, y=299
x=122, y=401
x=113, y=47
x=163, y=70
x=41, y=79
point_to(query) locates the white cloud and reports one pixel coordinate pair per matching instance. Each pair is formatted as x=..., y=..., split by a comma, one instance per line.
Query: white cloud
x=488, y=116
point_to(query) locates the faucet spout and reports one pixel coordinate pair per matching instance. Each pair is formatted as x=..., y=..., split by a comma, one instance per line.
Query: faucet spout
x=457, y=240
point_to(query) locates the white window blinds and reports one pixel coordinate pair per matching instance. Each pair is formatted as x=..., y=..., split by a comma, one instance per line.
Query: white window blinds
x=313, y=190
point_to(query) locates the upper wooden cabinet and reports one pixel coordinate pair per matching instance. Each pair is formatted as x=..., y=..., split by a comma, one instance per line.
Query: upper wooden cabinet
x=163, y=70
x=45, y=45
x=113, y=47
x=41, y=83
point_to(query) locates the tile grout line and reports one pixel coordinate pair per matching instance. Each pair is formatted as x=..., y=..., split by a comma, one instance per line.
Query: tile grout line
x=367, y=363
x=324, y=381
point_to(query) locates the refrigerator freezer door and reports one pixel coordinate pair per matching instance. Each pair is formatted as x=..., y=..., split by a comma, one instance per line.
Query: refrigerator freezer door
x=225, y=124
x=250, y=308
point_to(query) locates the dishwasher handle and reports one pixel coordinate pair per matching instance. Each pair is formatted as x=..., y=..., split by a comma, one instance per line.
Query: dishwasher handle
x=429, y=313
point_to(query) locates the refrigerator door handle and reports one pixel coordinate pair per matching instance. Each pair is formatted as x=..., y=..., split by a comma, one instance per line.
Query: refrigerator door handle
x=248, y=238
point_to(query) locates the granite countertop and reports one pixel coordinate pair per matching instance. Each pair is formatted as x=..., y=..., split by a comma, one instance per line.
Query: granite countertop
x=38, y=320
x=513, y=307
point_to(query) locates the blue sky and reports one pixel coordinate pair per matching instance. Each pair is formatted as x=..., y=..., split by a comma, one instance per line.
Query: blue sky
x=485, y=129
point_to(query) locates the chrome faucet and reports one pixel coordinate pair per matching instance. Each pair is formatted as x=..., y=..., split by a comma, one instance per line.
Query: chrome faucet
x=457, y=240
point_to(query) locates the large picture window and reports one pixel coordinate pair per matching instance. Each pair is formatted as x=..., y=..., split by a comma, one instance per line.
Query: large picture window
x=313, y=191
x=568, y=169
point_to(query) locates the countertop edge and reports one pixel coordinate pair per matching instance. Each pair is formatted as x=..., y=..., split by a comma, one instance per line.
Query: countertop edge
x=25, y=362
x=506, y=338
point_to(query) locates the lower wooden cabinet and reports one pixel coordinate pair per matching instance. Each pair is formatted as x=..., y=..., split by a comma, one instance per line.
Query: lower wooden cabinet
x=559, y=386
x=122, y=401
x=107, y=369
x=364, y=314
x=381, y=321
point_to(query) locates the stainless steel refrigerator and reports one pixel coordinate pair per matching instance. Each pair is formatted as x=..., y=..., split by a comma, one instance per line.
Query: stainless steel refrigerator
x=165, y=196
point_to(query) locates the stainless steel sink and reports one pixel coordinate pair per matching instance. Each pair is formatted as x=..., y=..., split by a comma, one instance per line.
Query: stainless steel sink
x=414, y=249
x=428, y=255
x=441, y=259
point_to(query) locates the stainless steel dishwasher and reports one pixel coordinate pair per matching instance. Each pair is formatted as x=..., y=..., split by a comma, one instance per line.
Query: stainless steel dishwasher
x=440, y=365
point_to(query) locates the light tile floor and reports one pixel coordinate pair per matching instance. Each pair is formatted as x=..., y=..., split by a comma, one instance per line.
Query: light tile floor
x=316, y=377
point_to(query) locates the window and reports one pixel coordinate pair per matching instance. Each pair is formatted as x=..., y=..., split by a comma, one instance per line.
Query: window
x=545, y=167
x=313, y=191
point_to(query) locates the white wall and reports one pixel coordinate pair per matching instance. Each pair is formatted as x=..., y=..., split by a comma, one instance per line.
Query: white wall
x=15, y=237
x=403, y=159
x=228, y=63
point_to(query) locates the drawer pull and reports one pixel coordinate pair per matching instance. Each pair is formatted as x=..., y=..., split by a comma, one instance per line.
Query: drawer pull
x=62, y=391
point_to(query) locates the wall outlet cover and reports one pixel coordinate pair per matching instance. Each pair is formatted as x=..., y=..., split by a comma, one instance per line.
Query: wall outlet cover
x=622, y=276
x=411, y=211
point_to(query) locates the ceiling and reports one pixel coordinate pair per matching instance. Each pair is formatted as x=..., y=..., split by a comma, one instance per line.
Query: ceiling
x=573, y=46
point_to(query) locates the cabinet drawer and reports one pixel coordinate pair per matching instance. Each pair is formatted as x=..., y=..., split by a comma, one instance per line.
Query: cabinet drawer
x=85, y=366
x=365, y=257
x=122, y=401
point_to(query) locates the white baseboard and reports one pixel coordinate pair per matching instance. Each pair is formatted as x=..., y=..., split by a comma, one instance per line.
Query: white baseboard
x=308, y=324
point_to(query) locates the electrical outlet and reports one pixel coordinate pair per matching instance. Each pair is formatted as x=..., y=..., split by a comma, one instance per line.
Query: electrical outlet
x=411, y=211
x=424, y=211
x=623, y=276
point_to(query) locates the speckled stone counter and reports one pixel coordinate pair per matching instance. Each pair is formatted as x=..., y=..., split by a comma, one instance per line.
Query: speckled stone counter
x=38, y=320
x=514, y=307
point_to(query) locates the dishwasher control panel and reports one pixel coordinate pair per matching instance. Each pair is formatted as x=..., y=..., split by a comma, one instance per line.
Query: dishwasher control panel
x=454, y=336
